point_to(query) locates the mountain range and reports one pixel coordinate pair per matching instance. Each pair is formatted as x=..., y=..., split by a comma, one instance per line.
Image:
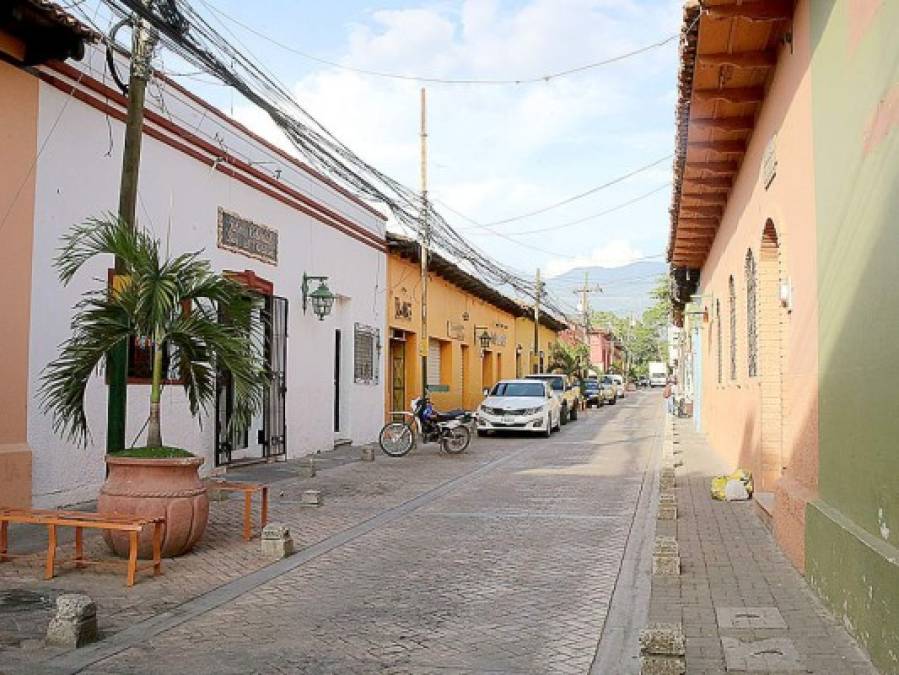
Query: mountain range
x=625, y=290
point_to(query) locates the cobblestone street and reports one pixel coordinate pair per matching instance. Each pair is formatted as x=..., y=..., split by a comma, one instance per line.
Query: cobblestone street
x=504, y=560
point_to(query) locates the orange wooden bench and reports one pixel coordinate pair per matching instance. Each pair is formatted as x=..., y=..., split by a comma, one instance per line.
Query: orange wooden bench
x=248, y=490
x=81, y=520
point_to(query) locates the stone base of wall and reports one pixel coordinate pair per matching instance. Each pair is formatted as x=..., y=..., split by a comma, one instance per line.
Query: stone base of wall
x=790, y=499
x=857, y=575
x=15, y=475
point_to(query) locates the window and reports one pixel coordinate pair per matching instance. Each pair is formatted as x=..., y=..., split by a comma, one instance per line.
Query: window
x=366, y=354
x=751, y=327
x=720, y=349
x=433, y=363
x=732, y=301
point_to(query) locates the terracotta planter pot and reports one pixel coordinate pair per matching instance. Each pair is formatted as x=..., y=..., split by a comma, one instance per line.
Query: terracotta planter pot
x=156, y=487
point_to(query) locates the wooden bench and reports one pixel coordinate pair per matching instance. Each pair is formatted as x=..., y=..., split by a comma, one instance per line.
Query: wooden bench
x=81, y=520
x=248, y=490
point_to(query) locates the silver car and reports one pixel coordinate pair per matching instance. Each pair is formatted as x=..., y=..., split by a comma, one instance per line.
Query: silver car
x=520, y=405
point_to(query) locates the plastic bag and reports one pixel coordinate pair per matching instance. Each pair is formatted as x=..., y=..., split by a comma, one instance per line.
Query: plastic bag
x=735, y=491
x=719, y=484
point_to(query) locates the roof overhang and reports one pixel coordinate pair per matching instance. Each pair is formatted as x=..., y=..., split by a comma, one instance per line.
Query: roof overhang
x=47, y=31
x=727, y=54
x=409, y=249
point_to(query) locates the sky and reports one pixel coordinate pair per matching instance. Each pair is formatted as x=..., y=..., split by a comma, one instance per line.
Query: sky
x=496, y=151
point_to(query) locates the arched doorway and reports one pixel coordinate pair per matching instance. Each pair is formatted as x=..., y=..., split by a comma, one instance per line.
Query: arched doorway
x=770, y=355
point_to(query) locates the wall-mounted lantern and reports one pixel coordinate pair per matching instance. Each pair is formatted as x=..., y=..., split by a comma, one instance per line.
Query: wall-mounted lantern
x=482, y=335
x=322, y=299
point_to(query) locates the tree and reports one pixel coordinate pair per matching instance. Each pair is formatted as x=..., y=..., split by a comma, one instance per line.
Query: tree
x=205, y=320
x=571, y=359
x=643, y=337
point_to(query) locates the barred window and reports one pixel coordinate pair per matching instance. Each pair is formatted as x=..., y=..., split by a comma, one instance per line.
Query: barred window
x=366, y=354
x=751, y=327
x=718, y=322
x=732, y=301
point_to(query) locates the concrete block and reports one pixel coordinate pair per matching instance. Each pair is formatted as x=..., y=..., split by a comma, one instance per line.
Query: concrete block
x=667, y=512
x=652, y=664
x=75, y=623
x=665, y=545
x=666, y=639
x=311, y=498
x=276, y=541
x=367, y=453
x=666, y=565
x=306, y=469
x=668, y=498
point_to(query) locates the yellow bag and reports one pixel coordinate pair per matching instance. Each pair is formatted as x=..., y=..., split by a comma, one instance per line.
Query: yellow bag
x=720, y=482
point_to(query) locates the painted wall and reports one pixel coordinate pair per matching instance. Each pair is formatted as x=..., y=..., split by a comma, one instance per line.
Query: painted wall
x=447, y=304
x=853, y=535
x=18, y=140
x=732, y=409
x=78, y=176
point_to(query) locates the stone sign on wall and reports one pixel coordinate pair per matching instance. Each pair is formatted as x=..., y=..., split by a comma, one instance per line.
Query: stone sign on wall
x=243, y=236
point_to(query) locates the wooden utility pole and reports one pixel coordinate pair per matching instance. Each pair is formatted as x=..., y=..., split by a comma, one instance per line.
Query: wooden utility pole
x=143, y=40
x=585, y=291
x=538, y=292
x=425, y=242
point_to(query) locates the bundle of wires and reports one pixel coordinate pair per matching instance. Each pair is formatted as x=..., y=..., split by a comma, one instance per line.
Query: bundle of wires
x=185, y=32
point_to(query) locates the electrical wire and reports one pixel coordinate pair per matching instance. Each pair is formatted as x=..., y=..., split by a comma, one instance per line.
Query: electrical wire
x=441, y=80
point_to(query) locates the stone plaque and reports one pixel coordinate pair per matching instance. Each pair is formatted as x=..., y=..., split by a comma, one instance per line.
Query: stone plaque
x=455, y=331
x=243, y=236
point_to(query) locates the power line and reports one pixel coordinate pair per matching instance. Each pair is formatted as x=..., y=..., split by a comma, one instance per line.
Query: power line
x=571, y=223
x=581, y=195
x=440, y=80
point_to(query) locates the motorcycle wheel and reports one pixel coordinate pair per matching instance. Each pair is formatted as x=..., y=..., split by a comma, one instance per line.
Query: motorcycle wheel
x=455, y=440
x=395, y=439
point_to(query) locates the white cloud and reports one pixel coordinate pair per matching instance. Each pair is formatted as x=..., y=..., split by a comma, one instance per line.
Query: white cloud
x=614, y=253
x=500, y=151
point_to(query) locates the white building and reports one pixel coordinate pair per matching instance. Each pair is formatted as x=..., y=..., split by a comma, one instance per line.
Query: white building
x=201, y=172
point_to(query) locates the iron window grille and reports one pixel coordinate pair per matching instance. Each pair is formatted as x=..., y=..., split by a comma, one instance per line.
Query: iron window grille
x=718, y=322
x=751, y=315
x=365, y=354
x=732, y=299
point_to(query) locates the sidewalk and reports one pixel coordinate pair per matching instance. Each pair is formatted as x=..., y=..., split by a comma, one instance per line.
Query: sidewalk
x=742, y=605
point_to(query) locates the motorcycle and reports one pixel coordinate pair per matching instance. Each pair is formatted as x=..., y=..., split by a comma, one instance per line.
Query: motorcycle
x=450, y=429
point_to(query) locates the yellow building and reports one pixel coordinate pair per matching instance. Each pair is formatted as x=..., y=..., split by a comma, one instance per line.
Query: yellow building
x=461, y=309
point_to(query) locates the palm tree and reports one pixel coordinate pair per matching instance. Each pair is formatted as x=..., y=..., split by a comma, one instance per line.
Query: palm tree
x=204, y=320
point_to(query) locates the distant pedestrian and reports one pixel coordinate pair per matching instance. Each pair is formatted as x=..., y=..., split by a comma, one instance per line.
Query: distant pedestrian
x=671, y=391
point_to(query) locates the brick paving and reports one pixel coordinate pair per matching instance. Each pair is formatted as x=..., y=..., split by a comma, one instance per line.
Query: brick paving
x=742, y=605
x=503, y=559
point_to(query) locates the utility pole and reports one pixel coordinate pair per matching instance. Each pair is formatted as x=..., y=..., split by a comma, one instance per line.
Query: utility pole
x=585, y=291
x=143, y=40
x=538, y=292
x=425, y=242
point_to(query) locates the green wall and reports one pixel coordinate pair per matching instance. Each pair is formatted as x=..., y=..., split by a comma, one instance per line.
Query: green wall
x=852, y=533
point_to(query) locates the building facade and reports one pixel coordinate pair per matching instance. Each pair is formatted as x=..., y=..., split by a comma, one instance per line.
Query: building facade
x=781, y=250
x=461, y=311
x=30, y=34
x=259, y=215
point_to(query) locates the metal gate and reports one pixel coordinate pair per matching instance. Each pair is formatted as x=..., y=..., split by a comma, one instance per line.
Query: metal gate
x=274, y=316
x=277, y=392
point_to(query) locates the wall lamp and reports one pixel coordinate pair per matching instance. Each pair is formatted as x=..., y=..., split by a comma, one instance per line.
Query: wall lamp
x=482, y=335
x=322, y=299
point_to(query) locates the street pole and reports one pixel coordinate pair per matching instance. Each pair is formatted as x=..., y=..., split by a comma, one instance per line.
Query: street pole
x=585, y=303
x=537, y=293
x=143, y=40
x=425, y=242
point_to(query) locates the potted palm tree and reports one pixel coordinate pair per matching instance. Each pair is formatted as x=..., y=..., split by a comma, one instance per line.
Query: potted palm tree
x=174, y=305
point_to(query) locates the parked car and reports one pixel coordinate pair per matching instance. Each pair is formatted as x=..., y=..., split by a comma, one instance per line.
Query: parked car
x=610, y=389
x=619, y=384
x=523, y=405
x=569, y=394
x=592, y=393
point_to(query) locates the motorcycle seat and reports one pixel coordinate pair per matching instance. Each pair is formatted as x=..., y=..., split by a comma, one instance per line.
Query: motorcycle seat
x=450, y=415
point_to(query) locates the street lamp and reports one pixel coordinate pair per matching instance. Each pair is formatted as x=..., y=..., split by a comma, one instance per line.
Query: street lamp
x=322, y=298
